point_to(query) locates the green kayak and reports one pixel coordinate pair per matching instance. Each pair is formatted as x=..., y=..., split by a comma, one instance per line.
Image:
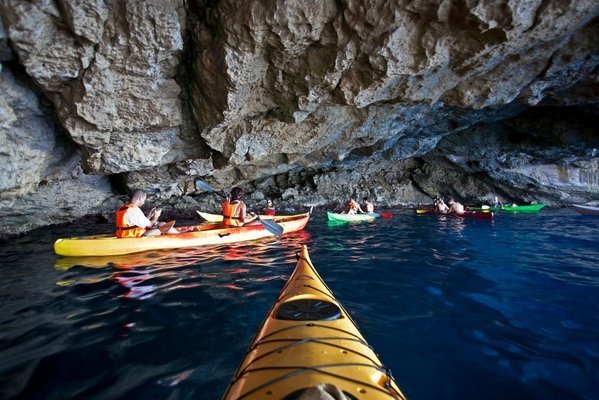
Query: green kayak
x=352, y=217
x=530, y=208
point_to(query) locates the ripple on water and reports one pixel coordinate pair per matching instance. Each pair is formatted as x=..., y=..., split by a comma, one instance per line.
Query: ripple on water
x=484, y=309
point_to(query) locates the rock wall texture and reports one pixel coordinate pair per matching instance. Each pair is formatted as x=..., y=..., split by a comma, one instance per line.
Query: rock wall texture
x=307, y=101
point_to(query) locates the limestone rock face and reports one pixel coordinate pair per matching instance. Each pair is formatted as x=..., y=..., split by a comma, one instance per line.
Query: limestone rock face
x=41, y=180
x=310, y=82
x=308, y=101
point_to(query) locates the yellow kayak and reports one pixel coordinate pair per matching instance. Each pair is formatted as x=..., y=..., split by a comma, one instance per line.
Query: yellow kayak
x=219, y=218
x=307, y=340
x=208, y=234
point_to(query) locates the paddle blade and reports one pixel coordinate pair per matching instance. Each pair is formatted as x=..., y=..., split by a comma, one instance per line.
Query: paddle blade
x=485, y=207
x=206, y=187
x=386, y=215
x=271, y=226
x=165, y=227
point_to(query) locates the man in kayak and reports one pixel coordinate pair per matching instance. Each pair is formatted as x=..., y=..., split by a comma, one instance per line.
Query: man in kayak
x=454, y=207
x=440, y=206
x=131, y=222
x=235, y=212
x=368, y=206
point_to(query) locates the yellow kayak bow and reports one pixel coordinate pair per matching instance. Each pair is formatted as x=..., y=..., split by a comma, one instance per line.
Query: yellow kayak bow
x=308, y=339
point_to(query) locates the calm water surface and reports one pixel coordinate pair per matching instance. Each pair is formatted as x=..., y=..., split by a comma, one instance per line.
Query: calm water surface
x=458, y=309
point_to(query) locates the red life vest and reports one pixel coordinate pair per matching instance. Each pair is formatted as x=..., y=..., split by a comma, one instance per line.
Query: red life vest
x=124, y=230
x=230, y=211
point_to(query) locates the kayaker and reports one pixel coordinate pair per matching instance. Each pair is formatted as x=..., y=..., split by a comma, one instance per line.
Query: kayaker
x=131, y=221
x=455, y=207
x=497, y=202
x=235, y=212
x=270, y=208
x=353, y=207
x=440, y=206
x=368, y=206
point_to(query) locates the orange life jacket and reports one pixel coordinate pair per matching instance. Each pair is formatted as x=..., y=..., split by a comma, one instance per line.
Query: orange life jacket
x=230, y=213
x=124, y=230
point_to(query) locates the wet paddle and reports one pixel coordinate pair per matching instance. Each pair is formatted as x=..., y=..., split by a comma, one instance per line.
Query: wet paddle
x=269, y=225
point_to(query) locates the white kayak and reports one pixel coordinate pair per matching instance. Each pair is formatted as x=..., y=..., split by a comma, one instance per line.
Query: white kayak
x=586, y=210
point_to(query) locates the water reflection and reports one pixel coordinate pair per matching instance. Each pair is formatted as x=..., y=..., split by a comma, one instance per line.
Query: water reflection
x=254, y=253
x=145, y=274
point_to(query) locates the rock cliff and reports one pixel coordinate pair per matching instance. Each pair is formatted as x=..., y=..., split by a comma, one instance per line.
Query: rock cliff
x=307, y=101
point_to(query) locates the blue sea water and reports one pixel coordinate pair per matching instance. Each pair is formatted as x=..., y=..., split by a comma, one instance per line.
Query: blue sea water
x=456, y=308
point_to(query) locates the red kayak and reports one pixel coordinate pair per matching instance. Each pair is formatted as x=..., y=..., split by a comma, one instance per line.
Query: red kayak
x=469, y=214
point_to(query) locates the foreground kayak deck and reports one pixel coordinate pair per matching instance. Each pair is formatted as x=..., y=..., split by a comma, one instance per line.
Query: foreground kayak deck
x=468, y=214
x=308, y=339
x=352, y=217
x=106, y=245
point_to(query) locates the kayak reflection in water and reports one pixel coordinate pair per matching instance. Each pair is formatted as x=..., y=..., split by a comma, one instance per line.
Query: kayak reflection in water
x=235, y=212
x=131, y=222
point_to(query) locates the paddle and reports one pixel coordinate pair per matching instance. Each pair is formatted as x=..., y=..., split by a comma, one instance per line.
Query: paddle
x=166, y=226
x=269, y=225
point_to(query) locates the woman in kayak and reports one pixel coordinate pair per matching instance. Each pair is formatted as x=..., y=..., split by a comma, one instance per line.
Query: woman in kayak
x=353, y=207
x=131, y=222
x=235, y=212
x=497, y=202
x=270, y=208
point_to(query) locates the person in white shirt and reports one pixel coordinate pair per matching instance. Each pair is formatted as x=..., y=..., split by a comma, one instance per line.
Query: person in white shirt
x=132, y=222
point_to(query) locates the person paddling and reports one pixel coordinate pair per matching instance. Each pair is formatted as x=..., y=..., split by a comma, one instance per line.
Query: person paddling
x=235, y=212
x=440, y=206
x=270, y=208
x=368, y=206
x=455, y=207
x=353, y=207
x=131, y=222
x=497, y=202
